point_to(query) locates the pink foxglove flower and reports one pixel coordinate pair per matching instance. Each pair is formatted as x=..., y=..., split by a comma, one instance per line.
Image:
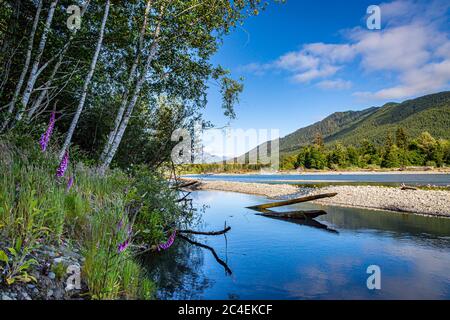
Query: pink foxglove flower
x=69, y=184
x=123, y=246
x=63, y=165
x=169, y=243
x=45, y=138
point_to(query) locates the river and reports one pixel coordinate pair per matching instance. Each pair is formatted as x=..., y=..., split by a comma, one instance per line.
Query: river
x=344, y=178
x=327, y=259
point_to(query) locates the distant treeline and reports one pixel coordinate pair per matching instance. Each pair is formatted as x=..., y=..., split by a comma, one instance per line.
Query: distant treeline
x=220, y=168
x=398, y=150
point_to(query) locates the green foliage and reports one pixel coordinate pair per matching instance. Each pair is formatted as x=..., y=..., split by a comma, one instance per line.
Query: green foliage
x=36, y=209
x=15, y=264
x=429, y=113
x=312, y=158
x=219, y=168
x=423, y=151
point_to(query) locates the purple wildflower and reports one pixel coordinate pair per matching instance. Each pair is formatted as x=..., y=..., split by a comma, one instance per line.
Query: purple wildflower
x=120, y=224
x=69, y=184
x=45, y=138
x=63, y=165
x=123, y=246
x=169, y=243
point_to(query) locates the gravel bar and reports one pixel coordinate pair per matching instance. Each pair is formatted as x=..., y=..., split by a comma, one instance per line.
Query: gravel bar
x=425, y=202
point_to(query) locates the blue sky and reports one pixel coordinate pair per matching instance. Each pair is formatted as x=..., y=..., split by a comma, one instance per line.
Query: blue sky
x=304, y=60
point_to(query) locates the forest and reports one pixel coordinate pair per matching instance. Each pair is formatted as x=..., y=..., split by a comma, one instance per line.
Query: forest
x=90, y=93
x=398, y=151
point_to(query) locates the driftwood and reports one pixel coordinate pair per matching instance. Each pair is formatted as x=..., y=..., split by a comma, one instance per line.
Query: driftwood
x=408, y=188
x=293, y=201
x=220, y=261
x=296, y=215
x=184, y=198
x=185, y=185
x=211, y=233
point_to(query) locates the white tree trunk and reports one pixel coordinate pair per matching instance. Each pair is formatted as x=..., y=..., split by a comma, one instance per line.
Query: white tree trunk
x=132, y=103
x=34, y=73
x=131, y=77
x=87, y=82
x=49, y=82
x=25, y=68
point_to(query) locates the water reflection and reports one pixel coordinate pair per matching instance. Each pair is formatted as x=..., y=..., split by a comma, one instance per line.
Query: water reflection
x=178, y=272
x=279, y=259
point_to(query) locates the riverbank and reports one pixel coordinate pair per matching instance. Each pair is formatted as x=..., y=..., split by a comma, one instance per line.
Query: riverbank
x=425, y=202
x=415, y=171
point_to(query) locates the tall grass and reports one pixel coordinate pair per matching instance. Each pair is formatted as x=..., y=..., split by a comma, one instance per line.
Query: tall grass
x=36, y=208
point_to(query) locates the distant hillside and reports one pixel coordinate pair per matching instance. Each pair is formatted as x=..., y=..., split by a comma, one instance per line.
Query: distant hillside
x=428, y=113
x=327, y=127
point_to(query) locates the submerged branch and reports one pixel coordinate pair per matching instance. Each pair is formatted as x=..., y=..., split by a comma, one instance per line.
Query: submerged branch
x=220, y=261
x=212, y=233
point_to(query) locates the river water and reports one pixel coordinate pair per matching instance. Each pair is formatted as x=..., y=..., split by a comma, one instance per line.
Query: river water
x=326, y=259
x=311, y=178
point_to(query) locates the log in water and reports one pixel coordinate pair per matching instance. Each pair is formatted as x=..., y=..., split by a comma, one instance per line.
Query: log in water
x=293, y=201
x=297, y=215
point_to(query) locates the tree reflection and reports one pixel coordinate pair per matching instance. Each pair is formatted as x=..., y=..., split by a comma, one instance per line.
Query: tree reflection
x=177, y=272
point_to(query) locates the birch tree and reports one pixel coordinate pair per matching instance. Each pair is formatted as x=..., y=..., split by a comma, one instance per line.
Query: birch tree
x=25, y=68
x=192, y=31
x=87, y=82
x=35, y=70
x=44, y=91
x=118, y=134
x=131, y=77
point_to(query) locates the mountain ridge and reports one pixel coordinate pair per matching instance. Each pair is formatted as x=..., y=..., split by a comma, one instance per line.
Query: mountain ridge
x=426, y=113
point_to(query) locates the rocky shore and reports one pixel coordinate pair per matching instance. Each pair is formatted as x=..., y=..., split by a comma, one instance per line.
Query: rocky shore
x=51, y=274
x=426, y=202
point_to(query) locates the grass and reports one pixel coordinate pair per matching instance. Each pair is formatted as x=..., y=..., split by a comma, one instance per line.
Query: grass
x=97, y=215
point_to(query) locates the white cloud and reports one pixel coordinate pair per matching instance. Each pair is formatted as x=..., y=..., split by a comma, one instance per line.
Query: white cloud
x=333, y=53
x=297, y=61
x=313, y=74
x=337, y=84
x=394, y=49
x=413, y=47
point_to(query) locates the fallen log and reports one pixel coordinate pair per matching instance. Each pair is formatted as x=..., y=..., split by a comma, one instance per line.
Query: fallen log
x=184, y=185
x=211, y=233
x=293, y=201
x=296, y=215
x=408, y=188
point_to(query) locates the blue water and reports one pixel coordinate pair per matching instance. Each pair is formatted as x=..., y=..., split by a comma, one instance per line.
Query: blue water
x=276, y=259
x=310, y=178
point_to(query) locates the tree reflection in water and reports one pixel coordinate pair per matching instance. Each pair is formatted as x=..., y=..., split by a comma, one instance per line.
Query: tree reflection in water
x=177, y=272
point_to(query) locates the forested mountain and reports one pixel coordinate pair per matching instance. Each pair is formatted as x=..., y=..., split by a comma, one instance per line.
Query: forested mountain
x=428, y=113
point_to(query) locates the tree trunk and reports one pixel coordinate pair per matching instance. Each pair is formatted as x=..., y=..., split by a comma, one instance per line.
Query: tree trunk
x=24, y=70
x=87, y=82
x=137, y=90
x=49, y=82
x=131, y=77
x=126, y=118
x=35, y=69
